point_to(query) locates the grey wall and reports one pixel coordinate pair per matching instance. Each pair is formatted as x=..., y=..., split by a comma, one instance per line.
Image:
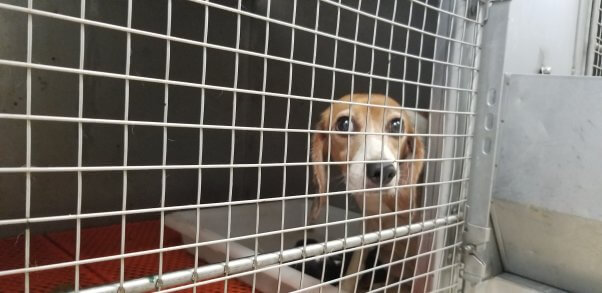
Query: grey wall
x=56, y=42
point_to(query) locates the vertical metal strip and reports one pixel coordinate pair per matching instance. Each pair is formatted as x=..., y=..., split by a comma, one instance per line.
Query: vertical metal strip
x=164, y=148
x=486, y=105
x=126, y=111
x=28, y=145
x=80, y=110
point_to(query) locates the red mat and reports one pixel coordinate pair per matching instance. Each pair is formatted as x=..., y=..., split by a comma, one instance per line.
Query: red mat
x=97, y=242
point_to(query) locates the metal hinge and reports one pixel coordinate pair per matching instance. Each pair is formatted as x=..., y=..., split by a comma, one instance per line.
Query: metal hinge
x=475, y=240
x=487, y=5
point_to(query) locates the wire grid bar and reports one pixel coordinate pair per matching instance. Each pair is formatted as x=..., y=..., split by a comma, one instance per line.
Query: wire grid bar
x=346, y=277
x=28, y=146
x=267, y=261
x=450, y=65
x=597, y=43
x=80, y=109
x=209, y=166
x=212, y=87
x=205, y=126
x=209, y=205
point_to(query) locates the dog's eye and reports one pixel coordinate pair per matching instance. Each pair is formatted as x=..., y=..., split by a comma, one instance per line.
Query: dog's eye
x=343, y=124
x=395, y=125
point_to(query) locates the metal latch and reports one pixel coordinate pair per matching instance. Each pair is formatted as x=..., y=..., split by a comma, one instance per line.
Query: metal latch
x=475, y=239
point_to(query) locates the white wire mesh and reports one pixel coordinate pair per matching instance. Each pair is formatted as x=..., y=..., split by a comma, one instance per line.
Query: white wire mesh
x=126, y=111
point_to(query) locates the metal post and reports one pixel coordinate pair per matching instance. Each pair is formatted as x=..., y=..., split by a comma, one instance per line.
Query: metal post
x=479, y=263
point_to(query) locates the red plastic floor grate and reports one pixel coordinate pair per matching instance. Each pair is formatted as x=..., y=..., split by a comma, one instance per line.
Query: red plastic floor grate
x=97, y=242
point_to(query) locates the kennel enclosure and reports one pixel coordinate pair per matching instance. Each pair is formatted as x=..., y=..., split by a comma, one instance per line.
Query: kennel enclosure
x=165, y=145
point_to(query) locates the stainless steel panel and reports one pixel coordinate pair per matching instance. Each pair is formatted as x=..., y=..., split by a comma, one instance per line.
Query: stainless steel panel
x=547, y=189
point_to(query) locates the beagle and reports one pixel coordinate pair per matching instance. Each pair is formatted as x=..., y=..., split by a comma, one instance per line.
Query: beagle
x=385, y=183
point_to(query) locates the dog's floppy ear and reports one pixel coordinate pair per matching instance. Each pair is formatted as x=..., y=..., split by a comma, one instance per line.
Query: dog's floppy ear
x=318, y=152
x=413, y=149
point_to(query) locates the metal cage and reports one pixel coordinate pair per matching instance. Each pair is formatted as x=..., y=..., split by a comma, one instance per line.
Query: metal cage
x=277, y=146
x=165, y=145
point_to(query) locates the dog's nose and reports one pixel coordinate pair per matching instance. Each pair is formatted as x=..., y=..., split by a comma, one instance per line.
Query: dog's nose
x=377, y=172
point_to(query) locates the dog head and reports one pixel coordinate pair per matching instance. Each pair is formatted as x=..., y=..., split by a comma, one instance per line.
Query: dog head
x=371, y=140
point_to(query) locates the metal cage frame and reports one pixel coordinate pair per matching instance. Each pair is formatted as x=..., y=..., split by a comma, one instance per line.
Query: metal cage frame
x=452, y=118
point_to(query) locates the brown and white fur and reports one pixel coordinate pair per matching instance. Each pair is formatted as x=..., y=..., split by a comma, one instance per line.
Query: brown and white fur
x=373, y=147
